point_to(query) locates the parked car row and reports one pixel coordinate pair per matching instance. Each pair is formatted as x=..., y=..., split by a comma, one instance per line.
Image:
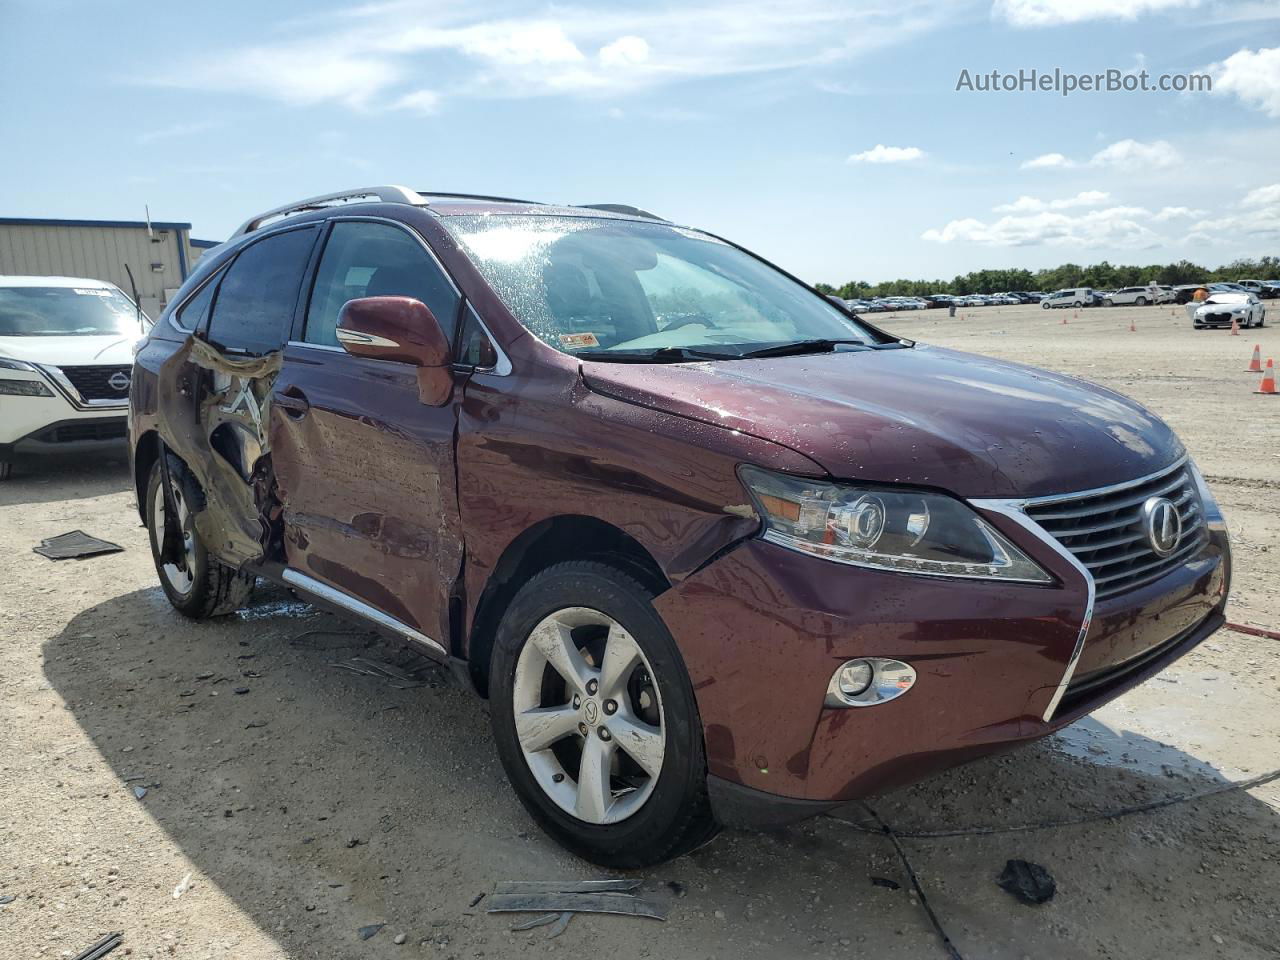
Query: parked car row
x=942, y=301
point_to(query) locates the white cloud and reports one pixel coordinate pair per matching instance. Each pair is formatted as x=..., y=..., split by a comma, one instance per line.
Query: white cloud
x=1268, y=196
x=882, y=154
x=1048, y=13
x=175, y=130
x=625, y=51
x=1134, y=155
x=1025, y=204
x=1110, y=227
x=1253, y=76
x=1174, y=213
x=1048, y=161
x=419, y=101
x=375, y=55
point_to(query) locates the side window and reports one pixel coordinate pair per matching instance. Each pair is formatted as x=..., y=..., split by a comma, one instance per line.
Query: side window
x=364, y=259
x=474, y=346
x=192, y=313
x=258, y=293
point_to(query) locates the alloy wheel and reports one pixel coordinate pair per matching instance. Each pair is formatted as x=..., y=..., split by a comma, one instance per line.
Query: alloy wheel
x=181, y=576
x=588, y=715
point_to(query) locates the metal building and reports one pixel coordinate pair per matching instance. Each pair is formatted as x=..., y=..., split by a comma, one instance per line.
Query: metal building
x=159, y=254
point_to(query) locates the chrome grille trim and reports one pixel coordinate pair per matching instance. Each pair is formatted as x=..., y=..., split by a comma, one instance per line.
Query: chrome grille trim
x=1102, y=528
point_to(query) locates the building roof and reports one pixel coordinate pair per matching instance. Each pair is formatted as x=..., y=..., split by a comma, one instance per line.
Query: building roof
x=142, y=224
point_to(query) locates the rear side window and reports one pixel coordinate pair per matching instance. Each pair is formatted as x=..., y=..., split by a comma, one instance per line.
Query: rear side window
x=364, y=259
x=258, y=293
x=193, y=313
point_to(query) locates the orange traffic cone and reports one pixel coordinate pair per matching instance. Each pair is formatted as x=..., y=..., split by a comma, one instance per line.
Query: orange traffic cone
x=1255, y=365
x=1064, y=319
x=1268, y=385
x=1235, y=327
x=1133, y=327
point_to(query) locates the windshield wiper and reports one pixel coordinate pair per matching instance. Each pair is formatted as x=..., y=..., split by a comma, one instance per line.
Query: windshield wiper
x=658, y=355
x=797, y=347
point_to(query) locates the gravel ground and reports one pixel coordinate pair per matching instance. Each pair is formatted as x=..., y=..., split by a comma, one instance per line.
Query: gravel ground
x=305, y=802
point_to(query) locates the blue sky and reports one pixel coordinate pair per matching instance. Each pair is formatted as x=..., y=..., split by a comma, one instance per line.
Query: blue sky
x=827, y=136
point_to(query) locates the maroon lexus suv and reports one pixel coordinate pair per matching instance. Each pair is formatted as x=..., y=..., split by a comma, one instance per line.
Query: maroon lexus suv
x=717, y=551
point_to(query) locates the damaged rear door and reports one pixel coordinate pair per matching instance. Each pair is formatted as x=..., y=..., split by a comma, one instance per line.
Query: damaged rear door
x=365, y=471
x=221, y=379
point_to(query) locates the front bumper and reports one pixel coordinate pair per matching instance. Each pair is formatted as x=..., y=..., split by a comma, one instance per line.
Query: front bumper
x=59, y=422
x=763, y=628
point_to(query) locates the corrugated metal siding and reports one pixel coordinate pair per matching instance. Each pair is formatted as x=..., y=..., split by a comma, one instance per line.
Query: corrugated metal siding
x=99, y=252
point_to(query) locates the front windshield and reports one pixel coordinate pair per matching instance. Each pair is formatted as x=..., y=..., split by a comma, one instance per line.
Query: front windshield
x=596, y=285
x=66, y=312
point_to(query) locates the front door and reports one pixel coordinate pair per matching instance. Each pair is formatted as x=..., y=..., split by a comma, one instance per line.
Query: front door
x=365, y=471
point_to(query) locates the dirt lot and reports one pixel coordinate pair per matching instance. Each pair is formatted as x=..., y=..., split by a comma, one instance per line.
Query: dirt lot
x=306, y=802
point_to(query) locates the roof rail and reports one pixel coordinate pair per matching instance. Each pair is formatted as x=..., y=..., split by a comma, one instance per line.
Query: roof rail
x=477, y=196
x=621, y=208
x=386, y=194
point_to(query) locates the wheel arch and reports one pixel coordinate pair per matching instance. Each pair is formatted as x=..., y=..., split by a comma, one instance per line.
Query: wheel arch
x=548, y=542
x=145, y=454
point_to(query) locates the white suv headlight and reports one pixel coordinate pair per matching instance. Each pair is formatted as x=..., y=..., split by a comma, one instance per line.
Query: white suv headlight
x=905, y=531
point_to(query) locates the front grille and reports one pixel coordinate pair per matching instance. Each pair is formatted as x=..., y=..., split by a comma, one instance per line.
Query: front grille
x=73, y=432
x=1104, y=529
x=91, y=382
x=1218, y=317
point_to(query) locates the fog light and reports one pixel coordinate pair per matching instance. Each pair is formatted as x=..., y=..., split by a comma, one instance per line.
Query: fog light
x=868, y=681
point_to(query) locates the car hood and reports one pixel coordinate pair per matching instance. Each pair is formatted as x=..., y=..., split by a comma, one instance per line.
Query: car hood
x=925, y=416
x=70, y=351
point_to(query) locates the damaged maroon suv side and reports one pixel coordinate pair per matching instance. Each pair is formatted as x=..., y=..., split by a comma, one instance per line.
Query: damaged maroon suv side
x=717, y=551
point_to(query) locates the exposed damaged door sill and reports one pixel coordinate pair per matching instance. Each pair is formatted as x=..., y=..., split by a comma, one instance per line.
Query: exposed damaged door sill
x=359, y=608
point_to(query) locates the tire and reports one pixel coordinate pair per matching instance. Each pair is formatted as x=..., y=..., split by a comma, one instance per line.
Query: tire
x=1077, y=304
x=653, y=819
x=199, y=586
x=1141, y=301
x=1044, y=306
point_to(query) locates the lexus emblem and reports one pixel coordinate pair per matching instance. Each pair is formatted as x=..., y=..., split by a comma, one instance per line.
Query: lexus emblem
x=118, y=381
x=1162, y=525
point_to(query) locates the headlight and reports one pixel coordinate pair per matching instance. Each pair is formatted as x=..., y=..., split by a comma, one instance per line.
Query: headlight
x=8, y=363
x=907, y=531
x=24, y=388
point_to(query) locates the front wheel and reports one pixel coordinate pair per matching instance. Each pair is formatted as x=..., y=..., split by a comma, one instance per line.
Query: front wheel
x=1141, y=301
x=595, y=719
x=197, y=584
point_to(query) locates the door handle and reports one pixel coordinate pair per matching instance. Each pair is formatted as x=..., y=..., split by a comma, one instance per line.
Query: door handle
x=293, y=402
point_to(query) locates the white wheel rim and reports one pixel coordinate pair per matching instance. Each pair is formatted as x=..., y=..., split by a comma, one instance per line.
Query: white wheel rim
x=584, y=698
x=180, y=576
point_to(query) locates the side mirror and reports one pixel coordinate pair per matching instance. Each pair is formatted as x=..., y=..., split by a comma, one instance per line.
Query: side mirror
x=402, y=330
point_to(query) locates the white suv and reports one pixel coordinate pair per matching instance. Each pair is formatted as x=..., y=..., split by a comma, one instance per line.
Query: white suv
x=66, y=352
x=1139, y=296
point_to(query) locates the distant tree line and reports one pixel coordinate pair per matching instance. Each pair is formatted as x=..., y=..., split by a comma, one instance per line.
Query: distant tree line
x=1103, y=276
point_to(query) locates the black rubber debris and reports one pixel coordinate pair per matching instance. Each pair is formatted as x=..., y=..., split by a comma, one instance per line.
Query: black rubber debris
x=102, y=947
x=1029, y=882
x=886, y=883
x=74, y=545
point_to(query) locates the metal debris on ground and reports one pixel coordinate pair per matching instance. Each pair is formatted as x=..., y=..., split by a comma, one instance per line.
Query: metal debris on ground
x=7, y=899
x=1029, y=882
x=581, y=896
x=75, y=545
x=101, y=948
x=395, y=676
x=139, y=792
x=366, y=932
